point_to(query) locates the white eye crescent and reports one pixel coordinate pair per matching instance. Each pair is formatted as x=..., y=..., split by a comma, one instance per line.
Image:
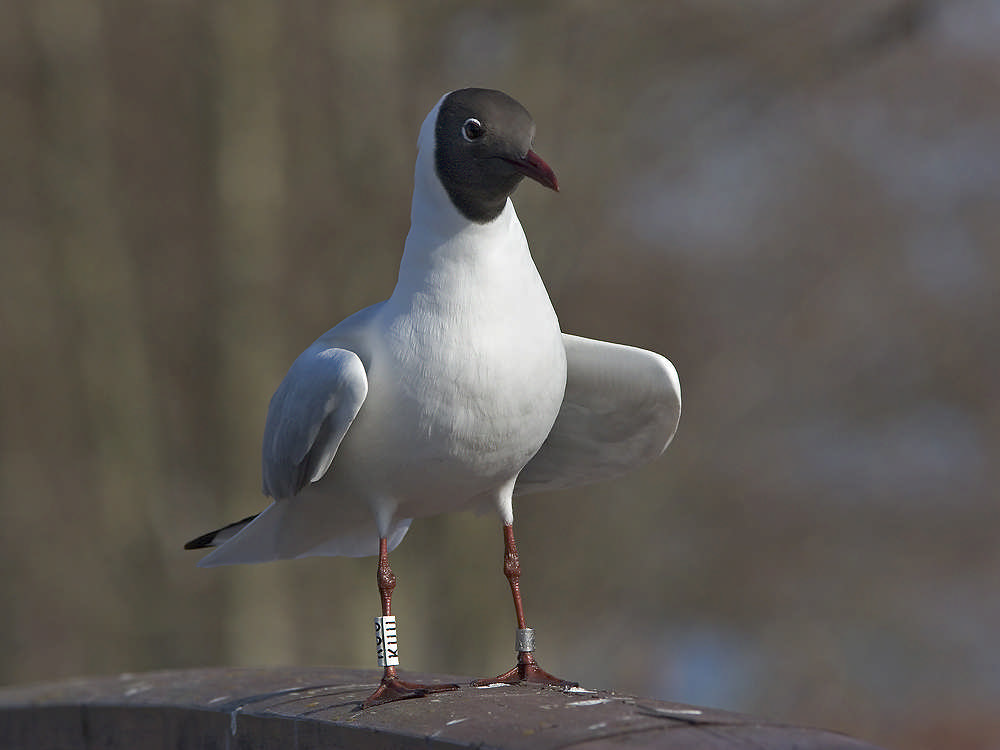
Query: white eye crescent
x=473, y=130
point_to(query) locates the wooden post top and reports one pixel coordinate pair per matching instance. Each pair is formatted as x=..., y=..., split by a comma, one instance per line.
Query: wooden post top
x=306, y=708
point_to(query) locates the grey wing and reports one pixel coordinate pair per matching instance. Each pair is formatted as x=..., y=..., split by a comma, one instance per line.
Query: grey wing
x=620, y=410
x=308, y=417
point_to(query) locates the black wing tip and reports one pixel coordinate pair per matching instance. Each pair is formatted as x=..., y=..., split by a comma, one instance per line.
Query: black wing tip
x=208, y=540
x=205, y=540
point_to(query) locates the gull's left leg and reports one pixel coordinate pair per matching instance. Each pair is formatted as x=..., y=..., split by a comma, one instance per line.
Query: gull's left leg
x=526, y=669
x=392, y=688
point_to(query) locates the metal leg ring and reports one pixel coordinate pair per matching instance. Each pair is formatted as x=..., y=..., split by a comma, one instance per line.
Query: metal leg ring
x=525, y=639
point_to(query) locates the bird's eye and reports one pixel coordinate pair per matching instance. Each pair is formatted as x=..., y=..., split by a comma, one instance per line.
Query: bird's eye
x=473, y=130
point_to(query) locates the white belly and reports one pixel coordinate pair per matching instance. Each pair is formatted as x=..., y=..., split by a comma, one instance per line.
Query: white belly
x=463, y=390
x=463, y=418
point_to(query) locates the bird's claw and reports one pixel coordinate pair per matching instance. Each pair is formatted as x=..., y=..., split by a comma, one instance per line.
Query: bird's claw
x=526, y=670
x=395, y=689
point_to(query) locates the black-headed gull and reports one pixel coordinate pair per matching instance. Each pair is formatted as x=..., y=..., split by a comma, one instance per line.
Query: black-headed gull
x=459, y=391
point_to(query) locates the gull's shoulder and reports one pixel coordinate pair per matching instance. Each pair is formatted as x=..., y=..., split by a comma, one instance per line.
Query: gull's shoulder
x=315, y=405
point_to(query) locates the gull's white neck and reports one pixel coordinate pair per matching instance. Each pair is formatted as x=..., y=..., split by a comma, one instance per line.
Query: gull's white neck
x=440, y=237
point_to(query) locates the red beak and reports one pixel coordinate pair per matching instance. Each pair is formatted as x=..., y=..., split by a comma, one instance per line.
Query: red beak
x=533, y=166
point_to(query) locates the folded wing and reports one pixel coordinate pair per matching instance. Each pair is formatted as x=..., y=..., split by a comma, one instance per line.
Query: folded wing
x=621, y=410
x=308, y=417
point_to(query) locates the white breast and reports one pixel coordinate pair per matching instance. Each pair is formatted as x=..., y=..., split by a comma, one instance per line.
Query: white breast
x=470, y=370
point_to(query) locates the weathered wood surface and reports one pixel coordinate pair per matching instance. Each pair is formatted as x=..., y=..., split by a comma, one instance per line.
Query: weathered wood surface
x=306, y=708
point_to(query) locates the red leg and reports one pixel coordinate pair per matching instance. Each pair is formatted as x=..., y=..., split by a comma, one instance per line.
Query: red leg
x=392, y=688
x=526, y=669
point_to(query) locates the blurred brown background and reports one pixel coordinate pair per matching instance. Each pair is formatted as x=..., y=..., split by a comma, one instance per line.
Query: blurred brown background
x=794, y=200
